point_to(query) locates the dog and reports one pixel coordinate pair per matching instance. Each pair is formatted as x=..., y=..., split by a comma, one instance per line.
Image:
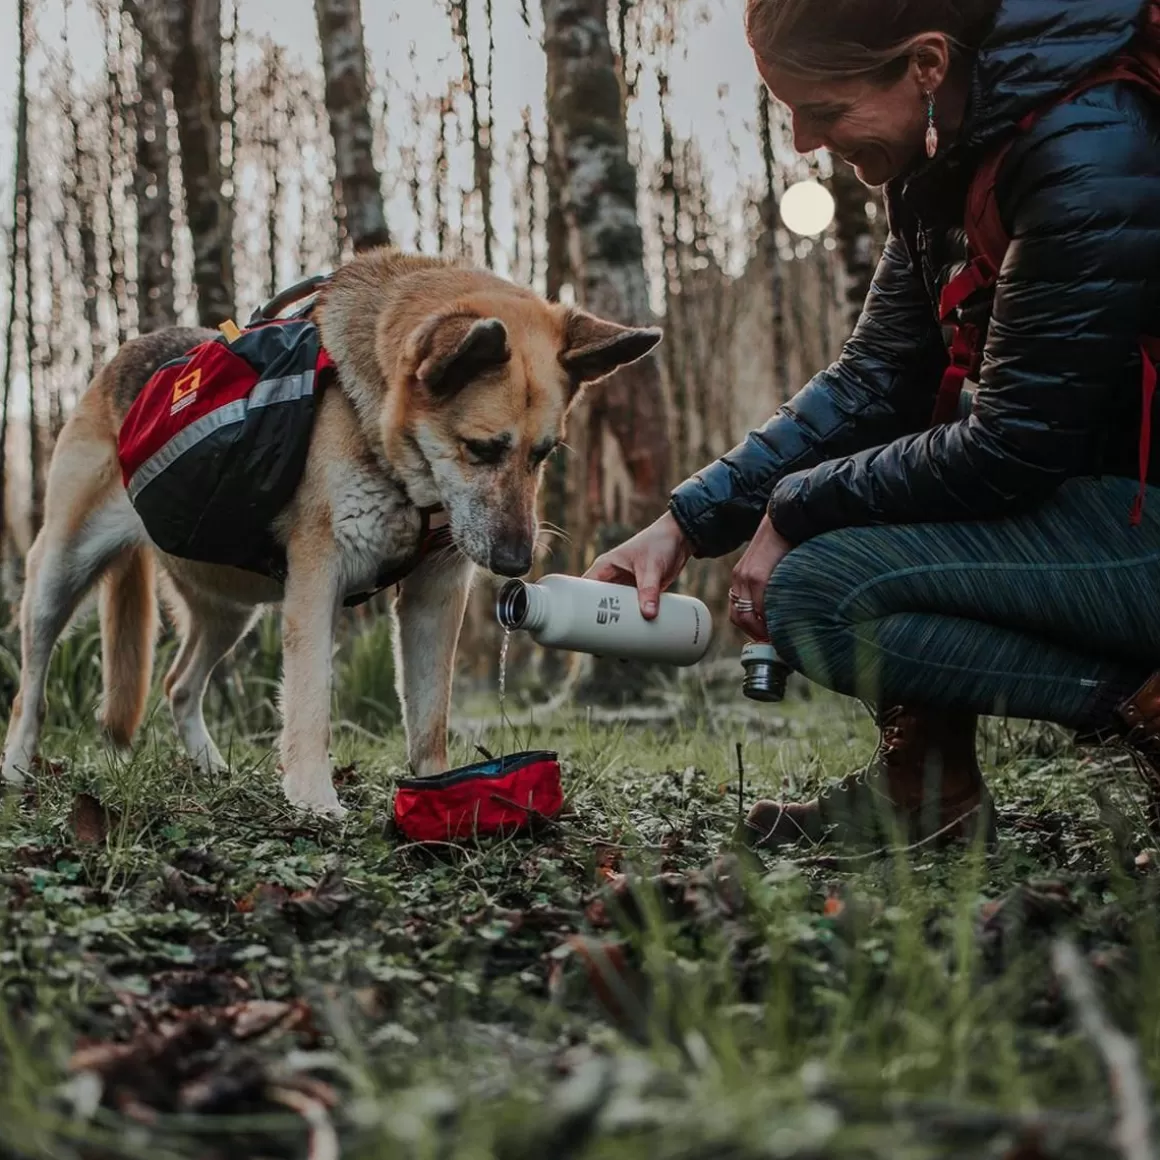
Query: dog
x=453, y=386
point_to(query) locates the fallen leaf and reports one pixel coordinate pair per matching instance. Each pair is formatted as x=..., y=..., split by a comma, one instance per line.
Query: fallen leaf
x=620, y=989
x=322, y=900
x=89, y=820
x=259, y=1016
x=266, y=895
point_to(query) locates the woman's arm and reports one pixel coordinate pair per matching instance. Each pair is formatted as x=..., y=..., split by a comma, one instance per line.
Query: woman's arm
x=882, y=385
x=1081, y=195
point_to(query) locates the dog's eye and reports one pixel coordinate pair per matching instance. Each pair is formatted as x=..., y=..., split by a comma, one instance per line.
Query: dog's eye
x=542, y=451
x=487, y=452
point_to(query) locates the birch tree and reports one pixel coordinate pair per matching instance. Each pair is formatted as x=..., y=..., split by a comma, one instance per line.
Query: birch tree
x=18, y=243
x=340, y=33
x=596, y=199
x=482, y=125
x=770, y=126
x=185, y=37
x=154, y=208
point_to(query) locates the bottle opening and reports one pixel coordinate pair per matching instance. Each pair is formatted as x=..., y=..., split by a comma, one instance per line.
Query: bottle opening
x=511, y=606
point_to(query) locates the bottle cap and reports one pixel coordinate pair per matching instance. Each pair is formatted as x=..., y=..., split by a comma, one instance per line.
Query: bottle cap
x=756, y=652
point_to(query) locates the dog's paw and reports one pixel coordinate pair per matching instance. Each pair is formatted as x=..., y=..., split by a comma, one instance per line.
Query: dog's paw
x=210, y=761
x=317, y=796
x=14, y=769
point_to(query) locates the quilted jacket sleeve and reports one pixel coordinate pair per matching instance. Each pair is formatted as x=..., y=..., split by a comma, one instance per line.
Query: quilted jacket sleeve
x=882, y=385
x=1081, y=198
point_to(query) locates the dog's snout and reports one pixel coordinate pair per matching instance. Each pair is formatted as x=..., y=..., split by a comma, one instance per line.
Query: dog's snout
x=511, y=558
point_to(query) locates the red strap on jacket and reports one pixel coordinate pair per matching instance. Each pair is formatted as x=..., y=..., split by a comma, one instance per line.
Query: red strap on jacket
x=965, y=348
x=1149, y=356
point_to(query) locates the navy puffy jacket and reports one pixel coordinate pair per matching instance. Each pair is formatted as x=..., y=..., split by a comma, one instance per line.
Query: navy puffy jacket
x=1060, y=387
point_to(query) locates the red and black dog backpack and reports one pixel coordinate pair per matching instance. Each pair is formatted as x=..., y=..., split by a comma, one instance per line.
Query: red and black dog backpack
x=215, y=445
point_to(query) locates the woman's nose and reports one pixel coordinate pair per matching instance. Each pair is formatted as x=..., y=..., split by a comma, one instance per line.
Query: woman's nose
x=805, y=139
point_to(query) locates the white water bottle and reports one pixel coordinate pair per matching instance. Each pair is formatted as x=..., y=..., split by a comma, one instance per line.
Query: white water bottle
x=589, y=616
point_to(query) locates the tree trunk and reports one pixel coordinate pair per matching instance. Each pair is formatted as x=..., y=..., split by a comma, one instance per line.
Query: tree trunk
x=24, y=186
x=481, y=120
x=597, y=198
x=186, y=36
x=86, y=195
x=779, y=338
x=274, y=131
x=55, y=366
x=154, y=208
x=856, y=240
x=19, y=243
x=113, y=149
x=196, y=86
x=340, y=31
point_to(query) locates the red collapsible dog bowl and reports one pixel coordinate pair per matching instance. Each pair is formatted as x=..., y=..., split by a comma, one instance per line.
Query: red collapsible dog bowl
x=499, y=796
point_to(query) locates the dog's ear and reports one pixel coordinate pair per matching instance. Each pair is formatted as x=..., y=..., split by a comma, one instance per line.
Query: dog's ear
x=452, y=349
x=594, y=348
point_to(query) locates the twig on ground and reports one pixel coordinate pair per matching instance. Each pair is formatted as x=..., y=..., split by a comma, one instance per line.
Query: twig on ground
x=533, y=814
x=740, y=784
x=840, y=861
x=605, y=843
x=1133, y=1130
x=323, y=1138
x=982, y=1123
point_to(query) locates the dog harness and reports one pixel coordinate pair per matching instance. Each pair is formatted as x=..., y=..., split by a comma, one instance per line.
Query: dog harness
x=215, y=445
x=988, y=241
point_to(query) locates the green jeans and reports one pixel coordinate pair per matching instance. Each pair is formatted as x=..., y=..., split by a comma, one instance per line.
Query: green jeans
x=1053, y=614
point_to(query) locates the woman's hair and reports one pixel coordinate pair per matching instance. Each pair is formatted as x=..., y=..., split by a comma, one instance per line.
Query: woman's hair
x=847, y=39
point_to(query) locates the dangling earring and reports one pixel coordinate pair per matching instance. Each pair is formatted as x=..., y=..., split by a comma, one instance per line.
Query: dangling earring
x=931, y=128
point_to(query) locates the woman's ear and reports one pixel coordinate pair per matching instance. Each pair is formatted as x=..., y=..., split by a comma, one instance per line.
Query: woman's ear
x=930, y=60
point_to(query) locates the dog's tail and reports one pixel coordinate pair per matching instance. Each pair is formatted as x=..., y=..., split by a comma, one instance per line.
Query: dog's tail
x=128, y=631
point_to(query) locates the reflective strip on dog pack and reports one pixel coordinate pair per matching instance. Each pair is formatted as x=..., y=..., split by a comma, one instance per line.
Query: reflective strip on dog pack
x=215, y=445
x=287, y=390
x=499, y=796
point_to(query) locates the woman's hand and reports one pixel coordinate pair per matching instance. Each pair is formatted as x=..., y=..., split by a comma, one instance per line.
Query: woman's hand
x=751, y=578
x=650, y=561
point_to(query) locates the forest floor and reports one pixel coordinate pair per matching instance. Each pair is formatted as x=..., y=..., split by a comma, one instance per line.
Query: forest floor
x=190, y=970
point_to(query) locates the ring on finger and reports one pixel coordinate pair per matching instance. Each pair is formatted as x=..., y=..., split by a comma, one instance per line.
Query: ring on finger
x=739, y=603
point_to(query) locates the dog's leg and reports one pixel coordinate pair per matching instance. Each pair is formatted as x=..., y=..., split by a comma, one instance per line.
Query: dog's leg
x=429, y=615
x=212, y=630
x=309, y=614
x=61, y=568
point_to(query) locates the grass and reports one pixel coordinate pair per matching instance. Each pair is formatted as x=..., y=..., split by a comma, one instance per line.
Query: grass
x=243, y=982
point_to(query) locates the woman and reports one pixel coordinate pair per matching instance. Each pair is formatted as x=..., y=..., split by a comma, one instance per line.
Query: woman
x=986, y=564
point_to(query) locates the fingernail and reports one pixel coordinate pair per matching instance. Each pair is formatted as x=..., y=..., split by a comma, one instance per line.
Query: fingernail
x=650, y=606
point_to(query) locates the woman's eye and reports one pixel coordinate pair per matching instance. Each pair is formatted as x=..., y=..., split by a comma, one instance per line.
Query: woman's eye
x=487, y=452
x=825, y=116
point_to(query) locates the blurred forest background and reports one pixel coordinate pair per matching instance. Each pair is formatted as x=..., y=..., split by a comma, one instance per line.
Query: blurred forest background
x=184, y=159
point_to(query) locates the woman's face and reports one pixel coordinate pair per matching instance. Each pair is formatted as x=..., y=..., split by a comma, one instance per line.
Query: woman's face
x=878, y=129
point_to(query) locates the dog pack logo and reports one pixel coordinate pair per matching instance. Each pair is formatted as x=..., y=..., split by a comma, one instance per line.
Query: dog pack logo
x=608, y=610
x=185, y=390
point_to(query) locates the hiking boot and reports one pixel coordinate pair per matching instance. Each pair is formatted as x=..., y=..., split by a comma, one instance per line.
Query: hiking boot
x=1136, y=727
x=923, y=782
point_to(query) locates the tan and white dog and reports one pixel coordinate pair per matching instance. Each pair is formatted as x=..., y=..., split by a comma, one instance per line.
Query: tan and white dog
x=453, y=389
